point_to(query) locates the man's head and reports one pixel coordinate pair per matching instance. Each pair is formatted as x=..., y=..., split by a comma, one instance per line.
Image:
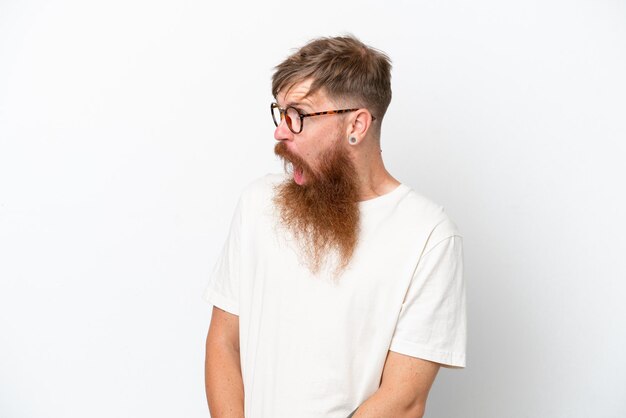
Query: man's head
x=319, y=204
x=347, y=70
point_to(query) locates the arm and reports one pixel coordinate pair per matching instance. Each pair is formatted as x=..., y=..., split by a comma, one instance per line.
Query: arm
x=404, y=388
x=223, y=380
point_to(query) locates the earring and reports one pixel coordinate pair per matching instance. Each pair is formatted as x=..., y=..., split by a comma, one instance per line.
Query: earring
x=352, y=140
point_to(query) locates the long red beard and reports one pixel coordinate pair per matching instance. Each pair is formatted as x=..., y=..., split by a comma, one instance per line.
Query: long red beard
x=323, y=214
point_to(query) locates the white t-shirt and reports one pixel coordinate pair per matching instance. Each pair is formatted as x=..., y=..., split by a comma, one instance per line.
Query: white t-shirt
x=312, y=347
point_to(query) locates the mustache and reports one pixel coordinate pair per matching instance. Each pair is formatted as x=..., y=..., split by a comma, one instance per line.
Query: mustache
x=281, y=150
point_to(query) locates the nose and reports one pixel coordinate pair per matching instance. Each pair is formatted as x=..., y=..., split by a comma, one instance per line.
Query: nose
x=282, y=131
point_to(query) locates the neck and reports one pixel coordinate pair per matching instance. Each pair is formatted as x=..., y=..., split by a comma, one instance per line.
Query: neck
x=374, y=179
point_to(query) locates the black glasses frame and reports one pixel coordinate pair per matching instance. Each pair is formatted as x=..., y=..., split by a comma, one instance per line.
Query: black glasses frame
x=283, y=112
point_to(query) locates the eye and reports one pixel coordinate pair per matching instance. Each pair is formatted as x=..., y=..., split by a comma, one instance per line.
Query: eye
x=293, y=113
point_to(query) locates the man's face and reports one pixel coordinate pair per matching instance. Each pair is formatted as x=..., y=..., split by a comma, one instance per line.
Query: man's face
x=319, y=133
x=319, y=203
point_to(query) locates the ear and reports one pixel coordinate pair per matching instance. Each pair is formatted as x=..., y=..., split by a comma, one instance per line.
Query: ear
x=359, y=125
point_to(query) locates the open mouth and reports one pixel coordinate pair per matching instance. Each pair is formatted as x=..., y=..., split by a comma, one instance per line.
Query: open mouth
x=298, y=174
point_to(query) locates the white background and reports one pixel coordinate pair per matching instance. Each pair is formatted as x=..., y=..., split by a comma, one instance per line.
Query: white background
x=128, y=129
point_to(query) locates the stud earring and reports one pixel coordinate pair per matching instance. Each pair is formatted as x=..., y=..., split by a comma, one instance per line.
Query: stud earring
x=352, y=140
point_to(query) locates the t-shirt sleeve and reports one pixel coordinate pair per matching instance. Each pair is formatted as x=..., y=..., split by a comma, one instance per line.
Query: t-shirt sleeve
x=223, y=287
x=432, y=324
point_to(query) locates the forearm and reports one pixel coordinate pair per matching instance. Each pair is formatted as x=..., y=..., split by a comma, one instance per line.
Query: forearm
x=223, y=382
x=387, y=404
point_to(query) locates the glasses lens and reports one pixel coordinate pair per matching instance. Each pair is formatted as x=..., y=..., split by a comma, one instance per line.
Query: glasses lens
x=275, y=114
x=293, y=119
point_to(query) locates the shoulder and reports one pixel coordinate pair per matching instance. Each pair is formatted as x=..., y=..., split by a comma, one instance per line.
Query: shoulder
x=432, y=214
x=260, y=189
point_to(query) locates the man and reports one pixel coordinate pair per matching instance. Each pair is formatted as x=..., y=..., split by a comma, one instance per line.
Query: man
x=339, y=291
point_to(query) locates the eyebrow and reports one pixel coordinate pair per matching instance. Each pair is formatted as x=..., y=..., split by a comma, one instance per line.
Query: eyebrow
x=298, y=104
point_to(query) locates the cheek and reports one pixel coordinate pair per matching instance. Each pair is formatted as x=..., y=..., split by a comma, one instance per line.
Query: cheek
x=306, y=151
x=311, y=147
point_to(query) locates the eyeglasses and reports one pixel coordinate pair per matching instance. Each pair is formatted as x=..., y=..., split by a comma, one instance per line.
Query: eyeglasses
x=295, y=119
